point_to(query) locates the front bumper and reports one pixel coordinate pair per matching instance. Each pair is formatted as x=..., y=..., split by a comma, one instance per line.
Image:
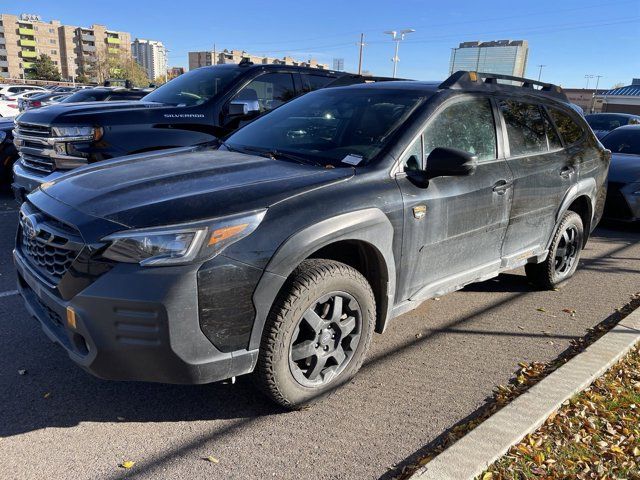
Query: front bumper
x=133, y=324
x=623, y=203
x=26, y=181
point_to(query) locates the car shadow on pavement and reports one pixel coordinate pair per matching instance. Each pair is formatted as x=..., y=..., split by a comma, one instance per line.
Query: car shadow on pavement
x=41, y=387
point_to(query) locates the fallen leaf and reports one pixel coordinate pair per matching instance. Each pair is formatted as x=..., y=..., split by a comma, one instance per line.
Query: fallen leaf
x=540, y=309
x=121, y=419
x=46, y=395
x=22, y=371
x=127, y=464
x=212, y=459
x=487, y=476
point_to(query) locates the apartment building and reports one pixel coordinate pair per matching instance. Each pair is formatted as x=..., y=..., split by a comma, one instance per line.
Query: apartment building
x=206, y=58
x=73, y=49
x=150, y=55
x=23, y=39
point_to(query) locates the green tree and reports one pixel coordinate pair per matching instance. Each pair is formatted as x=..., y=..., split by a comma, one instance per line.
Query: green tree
x=107, y=65
x=44, y=69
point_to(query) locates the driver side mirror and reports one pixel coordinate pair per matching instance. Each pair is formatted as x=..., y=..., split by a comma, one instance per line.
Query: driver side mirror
x=443, y=162
x=241, y=108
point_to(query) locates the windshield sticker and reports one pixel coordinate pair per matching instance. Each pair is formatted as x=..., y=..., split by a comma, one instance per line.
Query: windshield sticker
x=352, y=159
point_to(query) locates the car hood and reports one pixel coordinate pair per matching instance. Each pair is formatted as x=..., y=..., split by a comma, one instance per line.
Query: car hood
x=624, y=168
x=6, y=124
x=91, y=112
x=166, y=188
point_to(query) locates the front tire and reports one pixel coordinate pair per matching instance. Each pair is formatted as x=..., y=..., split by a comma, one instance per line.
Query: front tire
x=317, y=333
x=564, y=254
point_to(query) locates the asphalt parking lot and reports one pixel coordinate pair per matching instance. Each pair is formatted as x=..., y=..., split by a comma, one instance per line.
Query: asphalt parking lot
x=432, y=368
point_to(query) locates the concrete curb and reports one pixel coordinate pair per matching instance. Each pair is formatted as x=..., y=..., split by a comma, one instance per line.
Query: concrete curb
x=473, y=453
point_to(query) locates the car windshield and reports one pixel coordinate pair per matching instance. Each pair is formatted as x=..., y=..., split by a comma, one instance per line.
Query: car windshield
x=330, y=126
x=88, y=95
x=625, y=140
x=195, y=87
x=606, y=122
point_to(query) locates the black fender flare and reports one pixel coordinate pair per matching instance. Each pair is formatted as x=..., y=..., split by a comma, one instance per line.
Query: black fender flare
x=586, y=187
x=369, y=225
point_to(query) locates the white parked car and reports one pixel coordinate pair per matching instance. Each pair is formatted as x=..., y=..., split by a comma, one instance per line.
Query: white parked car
x=10, y=91
x=10, y=104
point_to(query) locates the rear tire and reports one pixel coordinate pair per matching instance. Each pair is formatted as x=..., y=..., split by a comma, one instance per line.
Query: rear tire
x=564, y=254
x=317, y=333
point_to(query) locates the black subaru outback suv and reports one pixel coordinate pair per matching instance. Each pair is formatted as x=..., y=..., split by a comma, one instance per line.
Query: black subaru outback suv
x=284, y=249
x=194, y=108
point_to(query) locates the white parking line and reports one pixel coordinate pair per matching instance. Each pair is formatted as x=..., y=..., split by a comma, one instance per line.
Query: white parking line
x=8, y=293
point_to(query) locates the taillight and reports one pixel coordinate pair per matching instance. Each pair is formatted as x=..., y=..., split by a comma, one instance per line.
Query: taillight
x=35, y=103
x=12, y=105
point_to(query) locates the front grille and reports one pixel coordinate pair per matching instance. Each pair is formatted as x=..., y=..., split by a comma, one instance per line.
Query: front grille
x=39, y=163
x=34, y=150
x=32, y=130
x=49, y=245
x=616, y=206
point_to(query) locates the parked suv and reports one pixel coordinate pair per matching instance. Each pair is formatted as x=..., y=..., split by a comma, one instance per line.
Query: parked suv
x=284, y=249
x=196, y=107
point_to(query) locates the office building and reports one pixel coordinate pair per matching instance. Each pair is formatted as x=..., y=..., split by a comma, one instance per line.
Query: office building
x=507, y=57
x=72, y=49
x=150, y=55
x=206, y=58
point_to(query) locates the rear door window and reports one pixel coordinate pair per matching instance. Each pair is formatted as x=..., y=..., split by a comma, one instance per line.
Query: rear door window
x=569, y=130
x=552, y=135
x=270, y=90
x=315, y=82
x=525, y=127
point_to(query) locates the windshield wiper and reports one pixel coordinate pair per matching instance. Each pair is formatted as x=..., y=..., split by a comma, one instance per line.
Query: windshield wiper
x=275, y=154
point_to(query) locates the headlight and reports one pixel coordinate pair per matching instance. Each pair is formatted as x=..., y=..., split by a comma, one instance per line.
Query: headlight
x=180, y=244
x=3, y=135
x=79, y=133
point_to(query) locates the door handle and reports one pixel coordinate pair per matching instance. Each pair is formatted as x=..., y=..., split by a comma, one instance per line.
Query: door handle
x=566, y=172
x=501, y=186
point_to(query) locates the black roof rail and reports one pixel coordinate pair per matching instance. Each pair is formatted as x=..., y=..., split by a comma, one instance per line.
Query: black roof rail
x=489, y=81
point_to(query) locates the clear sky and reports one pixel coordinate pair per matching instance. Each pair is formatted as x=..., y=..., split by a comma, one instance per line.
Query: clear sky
x=572, y=38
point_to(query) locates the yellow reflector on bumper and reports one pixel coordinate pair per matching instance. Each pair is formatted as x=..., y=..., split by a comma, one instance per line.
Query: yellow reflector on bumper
x=71, y=317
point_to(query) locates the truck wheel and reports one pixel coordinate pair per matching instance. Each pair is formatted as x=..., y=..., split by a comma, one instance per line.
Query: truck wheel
x=564, y=254
x=317, y=333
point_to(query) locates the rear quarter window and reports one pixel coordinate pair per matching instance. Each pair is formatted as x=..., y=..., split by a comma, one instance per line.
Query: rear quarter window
x=568, y=128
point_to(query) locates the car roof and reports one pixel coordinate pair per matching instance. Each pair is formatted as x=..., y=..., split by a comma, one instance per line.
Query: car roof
x=398, y=85
x=432, y=87
x=271, y=66
x=626, y=127
x=613, y=114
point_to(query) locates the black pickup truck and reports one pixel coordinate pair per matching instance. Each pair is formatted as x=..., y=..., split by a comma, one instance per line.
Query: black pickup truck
x=195, y=108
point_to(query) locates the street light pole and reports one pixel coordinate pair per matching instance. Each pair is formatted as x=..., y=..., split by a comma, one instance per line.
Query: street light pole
x=540, y=71
x=588, y=77
x=593, y=100
x=397, y=37
x=361, y=44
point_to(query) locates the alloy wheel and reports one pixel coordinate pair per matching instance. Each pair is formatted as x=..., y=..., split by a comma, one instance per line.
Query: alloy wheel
x=567, y=250
x=325, y=339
